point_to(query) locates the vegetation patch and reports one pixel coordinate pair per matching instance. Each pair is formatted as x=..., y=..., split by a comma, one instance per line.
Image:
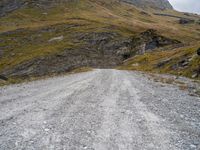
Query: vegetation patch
x=182, y=61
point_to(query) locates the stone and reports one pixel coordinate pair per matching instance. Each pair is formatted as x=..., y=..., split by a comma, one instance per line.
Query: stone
x=1, y=53
x=144, y=13
x=135, y=65
x=162, y=63
x=59, y=38
x=3, y=78
x=46, y=129
x=193, y=146
x=198, y=52
x=185, y=21
x=195, y=75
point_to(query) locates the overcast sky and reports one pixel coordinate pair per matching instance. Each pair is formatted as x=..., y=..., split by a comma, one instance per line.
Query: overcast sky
x=186, y=5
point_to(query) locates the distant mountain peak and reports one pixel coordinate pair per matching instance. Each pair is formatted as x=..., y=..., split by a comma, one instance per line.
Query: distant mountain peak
x=156, y=4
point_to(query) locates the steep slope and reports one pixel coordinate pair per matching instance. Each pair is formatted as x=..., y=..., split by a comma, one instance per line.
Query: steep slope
x=38, y=39
x=7, y=6
x=182, y=61
x=10, y=5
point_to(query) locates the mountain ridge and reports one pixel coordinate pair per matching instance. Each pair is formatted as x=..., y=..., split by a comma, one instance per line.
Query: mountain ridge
x=7, y=6
x=156, y=4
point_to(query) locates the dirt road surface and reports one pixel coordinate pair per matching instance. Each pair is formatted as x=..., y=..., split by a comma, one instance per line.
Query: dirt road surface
x=98, y=110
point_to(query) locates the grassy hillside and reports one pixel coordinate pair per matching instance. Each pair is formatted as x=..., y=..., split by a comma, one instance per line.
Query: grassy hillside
x=26, y=34
x=180, y=61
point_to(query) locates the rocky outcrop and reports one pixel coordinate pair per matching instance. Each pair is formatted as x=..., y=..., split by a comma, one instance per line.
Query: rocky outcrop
x=148, y=41
x=185, y=21
x=7, y=6
x=167, y=15
x=156, y=4
x=3, y=78
x=97, y=49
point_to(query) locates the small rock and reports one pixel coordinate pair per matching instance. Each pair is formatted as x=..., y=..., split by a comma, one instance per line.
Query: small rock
x=198, y=52
x=185, y=64
x=135, y=65
x=84, y=147
x=13, y=54
x=194, y=75
x=46, y=129
x=144, y=13
x=59, y=38
x=193, y=146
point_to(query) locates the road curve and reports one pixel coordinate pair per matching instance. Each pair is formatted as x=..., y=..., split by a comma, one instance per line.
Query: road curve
x=98, y=110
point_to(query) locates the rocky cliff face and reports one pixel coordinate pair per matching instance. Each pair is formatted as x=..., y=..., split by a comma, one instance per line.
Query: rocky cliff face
x=100, y=50
x=10, y=5
x=156, y=4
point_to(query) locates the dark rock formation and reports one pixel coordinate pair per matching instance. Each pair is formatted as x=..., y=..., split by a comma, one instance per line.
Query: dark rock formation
x=97, y=49
x=10, y=5
x=150, y=40
x=163, y=63
x=186, y=21
x=198, y=52
x=7, y=6
x=166, y=15
x=144, y=13
x=3, y=78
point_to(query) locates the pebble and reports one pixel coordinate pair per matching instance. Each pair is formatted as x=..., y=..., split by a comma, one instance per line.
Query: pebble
x=193, y=146
x=84, y=147
x=46, y=130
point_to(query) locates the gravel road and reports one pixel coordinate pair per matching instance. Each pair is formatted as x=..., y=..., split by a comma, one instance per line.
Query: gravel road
x=98, y=110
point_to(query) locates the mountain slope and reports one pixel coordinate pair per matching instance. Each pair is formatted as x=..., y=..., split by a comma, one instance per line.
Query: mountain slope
x=8, y=5
x=38, y=41
x=156, y=4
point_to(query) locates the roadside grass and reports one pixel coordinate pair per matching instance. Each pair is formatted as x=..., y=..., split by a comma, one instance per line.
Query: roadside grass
x=15, y=80
x=149, y=62
x=192, y=87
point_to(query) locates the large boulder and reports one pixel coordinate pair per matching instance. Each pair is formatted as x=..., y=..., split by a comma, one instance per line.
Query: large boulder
x=3, y=78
